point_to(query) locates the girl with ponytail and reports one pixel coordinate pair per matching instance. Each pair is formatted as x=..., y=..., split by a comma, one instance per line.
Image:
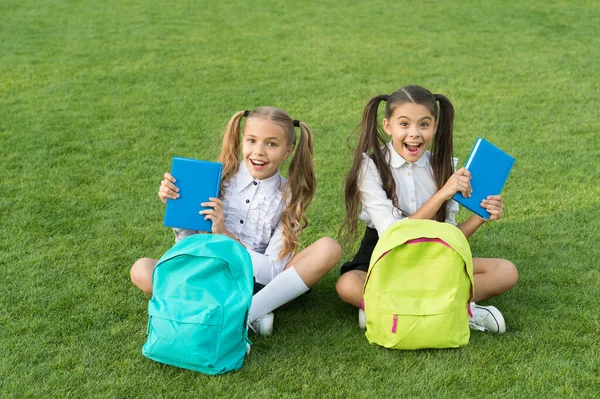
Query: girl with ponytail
x=262, y=210
x=413, y=176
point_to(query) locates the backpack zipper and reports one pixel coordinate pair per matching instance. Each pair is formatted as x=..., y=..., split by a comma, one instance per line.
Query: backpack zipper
x=394, y=323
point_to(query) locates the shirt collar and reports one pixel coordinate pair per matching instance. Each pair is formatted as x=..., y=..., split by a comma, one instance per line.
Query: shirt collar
x=244, y=179
x=397, y=161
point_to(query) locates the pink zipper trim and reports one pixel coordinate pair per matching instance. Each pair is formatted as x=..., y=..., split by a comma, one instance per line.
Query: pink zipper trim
x=424, y=239
x=369, y=274
x=394, y=323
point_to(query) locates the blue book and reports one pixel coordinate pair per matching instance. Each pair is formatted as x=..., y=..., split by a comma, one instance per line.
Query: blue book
x=489, y=167
x=197, y=182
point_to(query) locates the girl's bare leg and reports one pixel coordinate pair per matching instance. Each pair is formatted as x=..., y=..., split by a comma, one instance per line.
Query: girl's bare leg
x=493, y=277
x=141, y=274
x=350, y=286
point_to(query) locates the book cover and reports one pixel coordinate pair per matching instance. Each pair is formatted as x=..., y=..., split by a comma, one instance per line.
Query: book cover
x=197, y=181
x=489, y=167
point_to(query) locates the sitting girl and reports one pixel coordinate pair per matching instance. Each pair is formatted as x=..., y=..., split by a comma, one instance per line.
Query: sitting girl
x=401, y=179
x=262, y=211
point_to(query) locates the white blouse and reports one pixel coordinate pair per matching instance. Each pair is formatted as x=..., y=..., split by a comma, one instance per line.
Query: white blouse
x=415, y=184
x=252, y=211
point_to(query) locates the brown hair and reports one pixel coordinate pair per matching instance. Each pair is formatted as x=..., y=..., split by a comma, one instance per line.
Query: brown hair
x=301, y=185
x=372, y=141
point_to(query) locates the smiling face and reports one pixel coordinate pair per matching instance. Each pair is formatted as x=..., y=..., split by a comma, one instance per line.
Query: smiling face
x=412, y=127
x=264, y=146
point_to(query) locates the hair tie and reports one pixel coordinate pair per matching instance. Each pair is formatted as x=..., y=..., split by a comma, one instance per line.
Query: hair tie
x=385, y=97
x=296, y=123
x=437, y=97
x=246, y=113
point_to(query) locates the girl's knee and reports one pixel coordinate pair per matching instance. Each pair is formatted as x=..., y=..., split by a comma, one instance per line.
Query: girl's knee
x=344, y=286
x=334, y=248
x=505, y=274
x=134, y=272
x=349, y=289
x=510, y=273
x=140, y=270
x=331, y=248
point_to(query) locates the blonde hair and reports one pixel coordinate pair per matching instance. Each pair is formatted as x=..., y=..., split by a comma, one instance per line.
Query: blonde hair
x=301, y=184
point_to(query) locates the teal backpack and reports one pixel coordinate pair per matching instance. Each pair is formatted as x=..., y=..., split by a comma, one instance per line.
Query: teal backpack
x=202, y=291
x=419, y=286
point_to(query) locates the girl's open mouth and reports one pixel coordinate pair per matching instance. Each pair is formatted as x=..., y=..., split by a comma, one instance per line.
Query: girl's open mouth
x=412, y=148
x=258, y=164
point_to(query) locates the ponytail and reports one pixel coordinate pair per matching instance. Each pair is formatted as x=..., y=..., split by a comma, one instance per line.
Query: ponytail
x=371, y=140
x=301, y=187
x=230, y=149
x=442, y=149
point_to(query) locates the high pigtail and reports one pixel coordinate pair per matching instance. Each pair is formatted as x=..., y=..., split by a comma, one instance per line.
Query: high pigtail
x=230, y=148
x=301, y=185
x=371, y=140
x=442, y=149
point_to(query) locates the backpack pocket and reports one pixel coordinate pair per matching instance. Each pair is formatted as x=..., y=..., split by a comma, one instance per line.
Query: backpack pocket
x=185, y=341
x=405, y=322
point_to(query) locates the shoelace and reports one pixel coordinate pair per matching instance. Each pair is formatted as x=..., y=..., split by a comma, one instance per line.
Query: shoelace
x=477, y=322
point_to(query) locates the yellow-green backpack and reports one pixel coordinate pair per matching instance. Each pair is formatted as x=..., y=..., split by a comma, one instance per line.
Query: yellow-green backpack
x=418, y=287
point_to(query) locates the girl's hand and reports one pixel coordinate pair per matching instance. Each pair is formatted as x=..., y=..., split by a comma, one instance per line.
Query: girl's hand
x=216, y=215
x=494, y=205
x=460, y=181
x=167, y=188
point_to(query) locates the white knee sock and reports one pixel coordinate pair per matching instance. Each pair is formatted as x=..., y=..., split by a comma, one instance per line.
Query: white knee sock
x=282, y=289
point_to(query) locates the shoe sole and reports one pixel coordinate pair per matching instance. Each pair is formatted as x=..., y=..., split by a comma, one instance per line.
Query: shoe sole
x=362, y=319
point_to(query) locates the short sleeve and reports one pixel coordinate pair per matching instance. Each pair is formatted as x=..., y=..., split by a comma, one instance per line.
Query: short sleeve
x=451, y=211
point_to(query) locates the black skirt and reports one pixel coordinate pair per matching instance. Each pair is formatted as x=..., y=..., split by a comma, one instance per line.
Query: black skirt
x=363, y=256
x=257, y=287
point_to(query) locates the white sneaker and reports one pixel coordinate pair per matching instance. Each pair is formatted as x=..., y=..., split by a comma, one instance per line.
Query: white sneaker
x=486, y=318
x=263, y=325
x=362, y=319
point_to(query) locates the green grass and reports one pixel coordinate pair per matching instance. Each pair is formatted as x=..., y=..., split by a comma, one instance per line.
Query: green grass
x=97, y=96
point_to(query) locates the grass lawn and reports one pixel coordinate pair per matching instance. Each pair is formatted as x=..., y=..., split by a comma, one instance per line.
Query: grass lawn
x=97, y=96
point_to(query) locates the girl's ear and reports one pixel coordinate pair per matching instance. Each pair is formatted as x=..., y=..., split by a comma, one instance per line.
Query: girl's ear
x=289, y=152
x=386, y=126
x=435, y=127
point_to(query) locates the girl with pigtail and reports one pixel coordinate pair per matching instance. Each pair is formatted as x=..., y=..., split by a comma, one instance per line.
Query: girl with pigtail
x=262, y=210
x=401, y=179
